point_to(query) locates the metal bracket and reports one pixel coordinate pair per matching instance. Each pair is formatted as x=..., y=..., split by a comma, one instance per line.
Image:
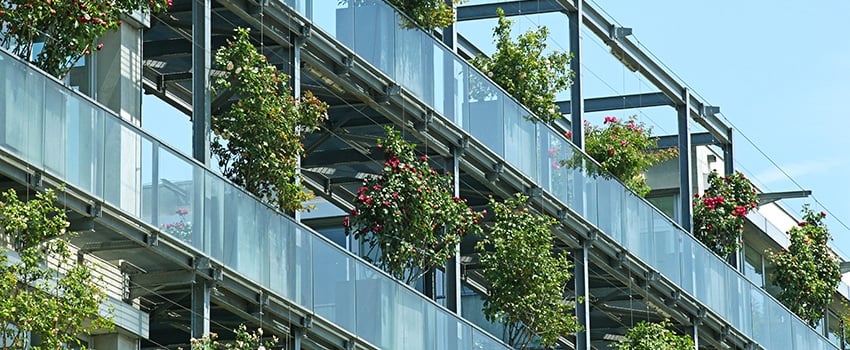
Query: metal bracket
x=95, y=210
x=618, y=260
x=675, y=296
x=306, y=321
x=344, y=69
x=35, y=179
x=462, y=145
x=426, y=121
x=724, y=333
x=533, y=192
x=349, y=344
x=710, y=110
x=617, y=33
x=306, y=31
x=497, y=171
x=152, y=239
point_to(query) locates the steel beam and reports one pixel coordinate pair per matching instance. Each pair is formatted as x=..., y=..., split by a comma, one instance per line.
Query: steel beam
x=511, y=8
x=697, y=139
x=685, y=187
x=633, y=57
x=201, y=63
x=577, y=108
x=611, y=103
x=770, y=197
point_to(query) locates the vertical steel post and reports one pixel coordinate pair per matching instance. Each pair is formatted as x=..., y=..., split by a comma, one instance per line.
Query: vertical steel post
x=576, y=94
x=685, y=186
x=728, y=156
x=582, y=289
x=452, y=280
x=695, y=334
x=295, y=85
x=201, y=63
x=200, y=308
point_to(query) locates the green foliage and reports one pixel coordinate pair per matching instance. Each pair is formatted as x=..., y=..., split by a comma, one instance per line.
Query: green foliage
x=653, y=336
x=36, y=298
x=807, y=271
x=524, y=70
x=428, y=14
x=69, y=29
x=719, y=214
x=257, y=139
x=409, y=213
x=244, y=341
x=625, y=149
x=527, y=279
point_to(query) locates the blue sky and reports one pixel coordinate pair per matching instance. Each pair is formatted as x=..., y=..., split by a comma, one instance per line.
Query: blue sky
x=778, y=70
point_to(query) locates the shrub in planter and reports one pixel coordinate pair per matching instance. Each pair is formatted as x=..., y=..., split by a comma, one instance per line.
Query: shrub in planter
x=527, y=279
x=525, y=70
x=36, y=299
x=653, y=336
x=408, y=216
x=257, y=138
x=719, y=213
x=624, y=149
x=807, y=272
x=69, y=30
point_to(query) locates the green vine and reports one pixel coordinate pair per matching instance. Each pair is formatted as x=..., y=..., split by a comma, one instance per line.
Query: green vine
x=408, y=214
x=68, y=29
x=527, y=280
x=719, y=214
x=653, y=336
x=524, y=70
x=56, y=298
x=807, y=271
x=257, y=139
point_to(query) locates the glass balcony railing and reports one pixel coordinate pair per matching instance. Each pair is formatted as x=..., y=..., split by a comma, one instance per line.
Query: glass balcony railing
x=63, y=133
x=457, y=91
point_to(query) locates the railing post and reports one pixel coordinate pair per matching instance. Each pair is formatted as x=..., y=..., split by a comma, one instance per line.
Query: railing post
x=452, y=279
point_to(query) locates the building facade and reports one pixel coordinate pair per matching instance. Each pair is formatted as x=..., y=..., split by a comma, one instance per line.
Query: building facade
x=298, y=276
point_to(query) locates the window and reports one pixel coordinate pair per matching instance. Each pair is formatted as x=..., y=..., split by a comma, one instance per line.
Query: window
x=753, y=265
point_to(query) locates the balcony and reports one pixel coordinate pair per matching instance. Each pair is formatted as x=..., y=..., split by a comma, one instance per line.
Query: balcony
x=64, y=135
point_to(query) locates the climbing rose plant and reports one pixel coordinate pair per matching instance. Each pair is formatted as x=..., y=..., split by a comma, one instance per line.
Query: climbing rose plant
x=69, y=29
x=257, y=138
x=408, y=214
x=719, y=214
x=525, y=70
x=625, y=149
x=652, y=336
x=807, y=271
x=244, y=341
x=527, y=279
x=56, y=298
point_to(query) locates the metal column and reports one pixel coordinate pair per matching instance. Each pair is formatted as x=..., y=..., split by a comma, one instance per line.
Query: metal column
x=201, y=62
x=582, y=288
x=685, y=187
x=452, y=283
x=576, y=95
x=728, y=156
x=200, y=308
x=452, y=279
x=695, y=334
